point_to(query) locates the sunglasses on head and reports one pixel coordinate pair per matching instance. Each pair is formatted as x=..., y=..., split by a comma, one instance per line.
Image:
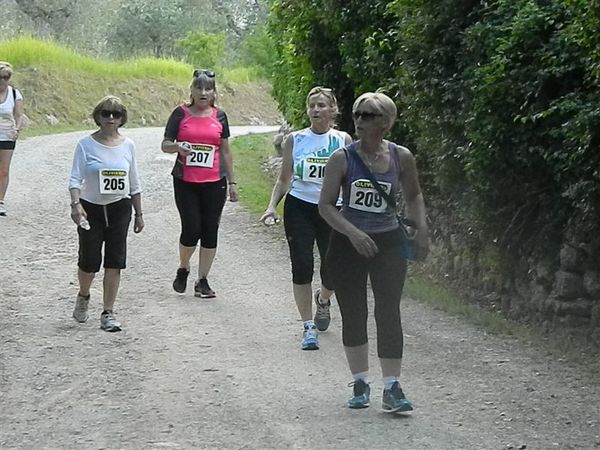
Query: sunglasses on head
x=4, y=77
x=115, y=114
x=208, y=73
x=366, y=115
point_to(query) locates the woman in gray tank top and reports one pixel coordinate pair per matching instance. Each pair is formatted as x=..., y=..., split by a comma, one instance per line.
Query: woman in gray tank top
x=367, y=242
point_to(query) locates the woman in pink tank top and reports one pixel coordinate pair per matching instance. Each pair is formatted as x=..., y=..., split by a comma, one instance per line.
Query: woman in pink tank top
x=198, y=132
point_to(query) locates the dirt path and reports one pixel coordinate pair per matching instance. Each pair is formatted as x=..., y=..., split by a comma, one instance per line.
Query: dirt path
x=228, y=373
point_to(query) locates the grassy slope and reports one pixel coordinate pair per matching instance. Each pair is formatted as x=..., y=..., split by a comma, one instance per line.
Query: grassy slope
x=56, y=81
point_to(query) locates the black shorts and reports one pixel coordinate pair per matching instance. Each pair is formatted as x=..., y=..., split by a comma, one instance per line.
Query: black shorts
x=7, y=145
x=109, y=225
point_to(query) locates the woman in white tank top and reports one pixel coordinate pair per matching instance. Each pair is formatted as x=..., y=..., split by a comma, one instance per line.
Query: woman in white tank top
x=305, y=154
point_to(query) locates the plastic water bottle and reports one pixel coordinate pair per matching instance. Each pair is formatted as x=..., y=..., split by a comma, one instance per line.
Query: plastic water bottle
x=83, y=223
x=270, y=221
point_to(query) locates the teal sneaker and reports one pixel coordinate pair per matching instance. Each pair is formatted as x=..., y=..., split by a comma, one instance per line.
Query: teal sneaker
x=361, y=391
x=394, y=400
x=310, y=339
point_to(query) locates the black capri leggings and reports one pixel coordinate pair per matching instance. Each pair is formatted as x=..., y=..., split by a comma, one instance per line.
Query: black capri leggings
x=200, y=206
x=387, y=271
x=304, y=225
x=109, y=225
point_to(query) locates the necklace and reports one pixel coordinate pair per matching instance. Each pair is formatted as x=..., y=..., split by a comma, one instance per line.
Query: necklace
x=371, y=160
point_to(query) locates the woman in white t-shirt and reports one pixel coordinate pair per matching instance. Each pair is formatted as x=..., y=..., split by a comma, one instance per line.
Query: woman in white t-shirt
x=104, y=185
x=11, y=117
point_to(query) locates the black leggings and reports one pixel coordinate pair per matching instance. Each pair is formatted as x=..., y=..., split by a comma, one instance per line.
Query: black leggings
x=387, y=271
x=304, y=225
x=200, y=206
x=109, y=226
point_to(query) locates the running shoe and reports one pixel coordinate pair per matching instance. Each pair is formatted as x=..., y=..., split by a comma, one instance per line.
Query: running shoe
x=322, y=314
x=361, y=393
x=108, y=322
x=203, y=290
x=310, y=338
x=394, y=400
x=80, y=313
x=2, y=209
x=180, y=282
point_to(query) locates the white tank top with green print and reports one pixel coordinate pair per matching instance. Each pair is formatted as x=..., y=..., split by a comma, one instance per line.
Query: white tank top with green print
x=310, y=153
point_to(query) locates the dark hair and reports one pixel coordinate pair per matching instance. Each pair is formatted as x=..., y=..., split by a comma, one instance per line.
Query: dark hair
x=110, y=103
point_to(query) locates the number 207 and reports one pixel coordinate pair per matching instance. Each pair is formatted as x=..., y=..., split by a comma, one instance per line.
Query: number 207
x=199, y=157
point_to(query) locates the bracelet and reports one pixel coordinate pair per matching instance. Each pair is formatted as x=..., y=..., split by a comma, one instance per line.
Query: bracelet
x=74, y=203
x=139, y=215
x=232, y=182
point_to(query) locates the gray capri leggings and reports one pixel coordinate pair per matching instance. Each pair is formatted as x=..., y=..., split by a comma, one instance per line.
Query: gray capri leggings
x=387, y=271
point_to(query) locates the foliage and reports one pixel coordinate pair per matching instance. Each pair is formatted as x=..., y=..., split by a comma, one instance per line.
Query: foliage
x=203, y=49
x=499, y=100
x=258, y=50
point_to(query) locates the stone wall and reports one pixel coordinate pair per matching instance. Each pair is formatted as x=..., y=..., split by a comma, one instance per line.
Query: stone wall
x=560, y=289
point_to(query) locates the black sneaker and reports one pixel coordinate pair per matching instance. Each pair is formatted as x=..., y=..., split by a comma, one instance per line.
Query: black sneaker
x=181, y=280
x=203, y=290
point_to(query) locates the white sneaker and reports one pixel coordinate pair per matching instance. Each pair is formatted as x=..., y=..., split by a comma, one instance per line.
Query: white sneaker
x=80, y=313
x=2, y=209
x=109, y=323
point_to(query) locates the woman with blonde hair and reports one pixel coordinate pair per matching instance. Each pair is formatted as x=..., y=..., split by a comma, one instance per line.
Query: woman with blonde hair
x=367, y=241
x=305, y=154
x=104, y=185
x=11, y=117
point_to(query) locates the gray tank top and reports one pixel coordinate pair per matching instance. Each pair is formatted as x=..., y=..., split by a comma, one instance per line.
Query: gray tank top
x=362, y=204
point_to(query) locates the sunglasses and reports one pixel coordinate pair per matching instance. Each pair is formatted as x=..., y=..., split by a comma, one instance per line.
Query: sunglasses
x=208, y=73
x=5, y=77
x=365, y=115
x=115, y=114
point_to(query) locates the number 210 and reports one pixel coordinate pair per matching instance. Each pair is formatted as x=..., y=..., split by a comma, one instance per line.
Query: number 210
x=316, y=171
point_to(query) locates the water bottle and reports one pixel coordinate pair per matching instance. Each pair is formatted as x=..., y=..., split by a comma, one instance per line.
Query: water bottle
x=83, y=223
x=270, y=221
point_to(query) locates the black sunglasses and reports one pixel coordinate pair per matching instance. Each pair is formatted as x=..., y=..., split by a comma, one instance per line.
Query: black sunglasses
x=208, y=73
x=106, y=114
x=365, y=115
x=5, y=77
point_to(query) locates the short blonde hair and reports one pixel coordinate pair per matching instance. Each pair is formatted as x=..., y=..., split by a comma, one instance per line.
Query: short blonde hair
x=110, y=103
x=6, y=67
x=381, y=103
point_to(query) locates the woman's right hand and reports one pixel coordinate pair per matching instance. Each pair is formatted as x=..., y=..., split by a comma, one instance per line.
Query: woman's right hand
x=269, y=217
x=78, y=213
x=185, y=149
x=362, y=242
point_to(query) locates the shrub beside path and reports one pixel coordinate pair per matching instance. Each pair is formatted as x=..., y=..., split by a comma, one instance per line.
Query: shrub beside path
x=228, y=373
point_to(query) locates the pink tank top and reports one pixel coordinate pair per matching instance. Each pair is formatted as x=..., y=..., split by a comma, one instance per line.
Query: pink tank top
x=205, y=163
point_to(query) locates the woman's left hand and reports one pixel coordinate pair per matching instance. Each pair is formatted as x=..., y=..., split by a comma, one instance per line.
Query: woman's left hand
x=234, y=195
x=138, y=224
x=421, y=246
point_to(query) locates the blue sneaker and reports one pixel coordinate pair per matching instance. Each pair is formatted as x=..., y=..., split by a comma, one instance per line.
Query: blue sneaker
x=361, y=395
x=310, y=339
x=394, y=400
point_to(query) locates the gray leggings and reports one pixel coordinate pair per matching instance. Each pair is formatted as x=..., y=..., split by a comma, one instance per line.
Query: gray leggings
x=387, y=271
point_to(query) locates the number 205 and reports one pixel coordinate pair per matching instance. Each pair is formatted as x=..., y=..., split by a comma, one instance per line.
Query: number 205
x=114, y=184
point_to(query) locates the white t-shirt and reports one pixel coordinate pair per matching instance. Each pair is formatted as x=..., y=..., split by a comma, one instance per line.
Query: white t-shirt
x=104, y=174
x=7, y=115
